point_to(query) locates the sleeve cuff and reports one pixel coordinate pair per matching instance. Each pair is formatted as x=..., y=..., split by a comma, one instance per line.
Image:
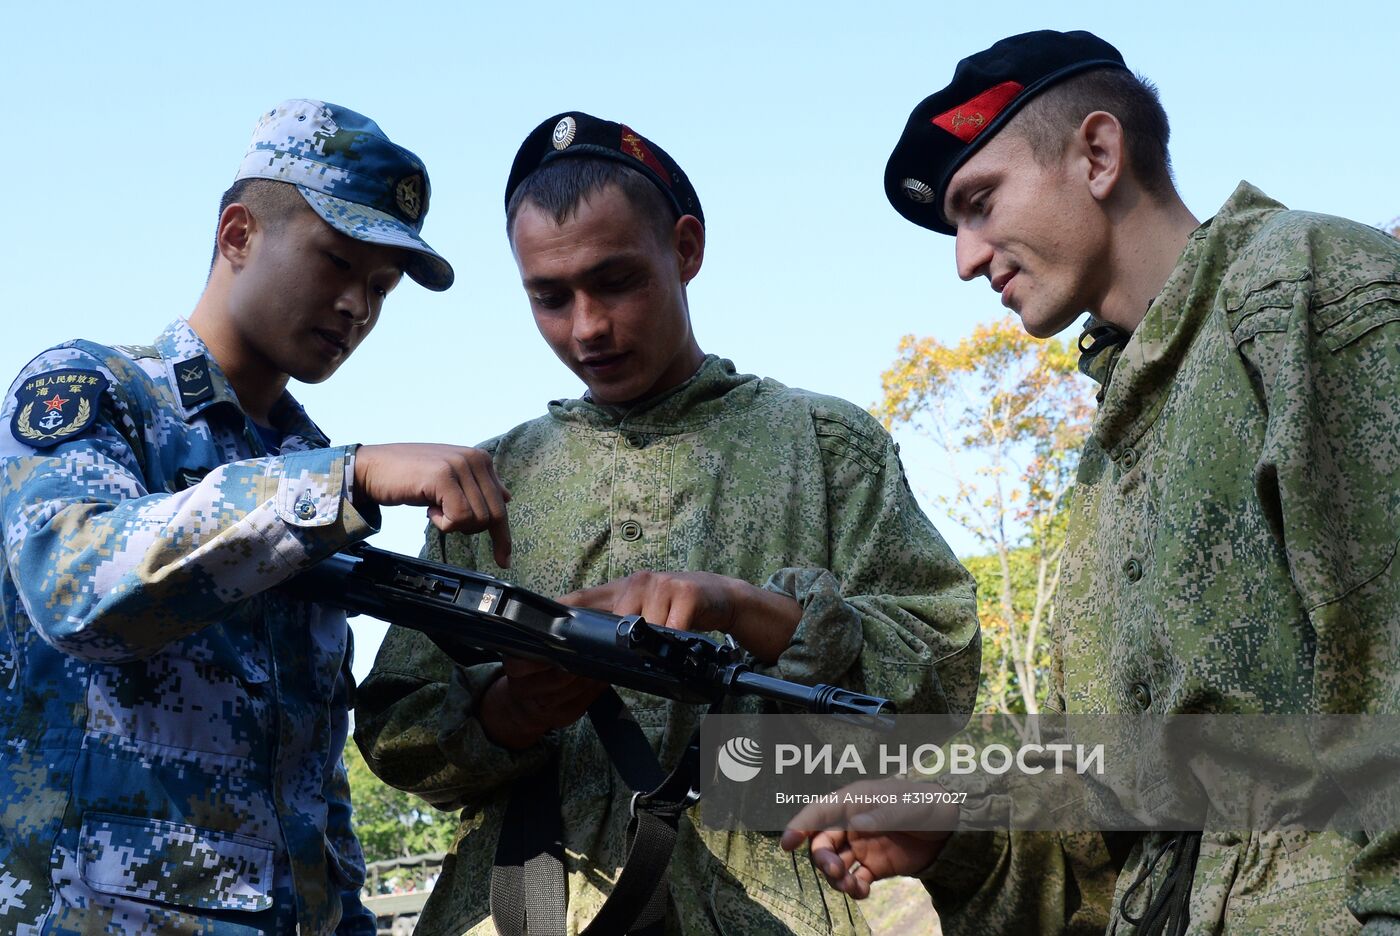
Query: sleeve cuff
x=967, y=860
x=368, y=511
x=828, y=638
x=465, y=741
x=315, y=490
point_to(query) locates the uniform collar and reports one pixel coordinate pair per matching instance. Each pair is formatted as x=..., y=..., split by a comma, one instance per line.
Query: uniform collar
x=195, y=378
x=714, y=391
x=198, y=383
x=1099, y=346
x=1137, y=376
x=298, y=431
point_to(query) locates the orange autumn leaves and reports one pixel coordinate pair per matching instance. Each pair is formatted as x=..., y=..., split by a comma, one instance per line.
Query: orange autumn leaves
x=1007, y=413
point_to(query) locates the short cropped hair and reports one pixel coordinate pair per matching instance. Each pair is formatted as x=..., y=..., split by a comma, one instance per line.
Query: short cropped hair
x=1047, y=121
x=270, y=201
x=560, y=186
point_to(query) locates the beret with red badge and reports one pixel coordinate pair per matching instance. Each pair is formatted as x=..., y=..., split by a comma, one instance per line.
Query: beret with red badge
x=574, y=134
x=987, y=90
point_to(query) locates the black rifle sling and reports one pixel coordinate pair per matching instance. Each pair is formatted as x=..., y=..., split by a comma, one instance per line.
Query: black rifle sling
x=637, y=904
x=529, y=866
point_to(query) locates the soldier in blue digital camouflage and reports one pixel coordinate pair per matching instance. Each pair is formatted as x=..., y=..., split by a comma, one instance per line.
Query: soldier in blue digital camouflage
x=172, y=725
x=1233, y=529
x=684, y=490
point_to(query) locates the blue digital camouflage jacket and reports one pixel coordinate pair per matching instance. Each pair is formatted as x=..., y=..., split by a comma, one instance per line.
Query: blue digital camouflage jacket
x=172, y=726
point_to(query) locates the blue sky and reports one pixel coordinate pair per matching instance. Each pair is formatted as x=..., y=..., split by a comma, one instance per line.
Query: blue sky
x=126, y=122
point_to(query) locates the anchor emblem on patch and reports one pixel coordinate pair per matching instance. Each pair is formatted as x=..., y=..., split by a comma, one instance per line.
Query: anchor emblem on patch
x=962, y=120
x=56, y=406
x=53, y=413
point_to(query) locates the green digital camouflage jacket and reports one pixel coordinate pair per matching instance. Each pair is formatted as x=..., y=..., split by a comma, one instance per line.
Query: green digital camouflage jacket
x=1231, y=550
x=800, y=493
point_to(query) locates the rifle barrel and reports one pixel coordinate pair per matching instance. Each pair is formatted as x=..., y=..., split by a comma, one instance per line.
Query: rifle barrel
x=821, y=699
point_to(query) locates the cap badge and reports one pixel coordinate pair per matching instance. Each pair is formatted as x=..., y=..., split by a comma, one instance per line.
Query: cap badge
x=969, y=119
x=409, y=195
x=920, y=192
x=564, y=133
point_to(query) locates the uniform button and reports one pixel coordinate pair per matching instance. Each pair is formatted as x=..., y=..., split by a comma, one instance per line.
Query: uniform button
x=1128, y=459
x=1132, y=570
x=1142, y=695
x=305, y=507
x=631, y=530
x=635, y=440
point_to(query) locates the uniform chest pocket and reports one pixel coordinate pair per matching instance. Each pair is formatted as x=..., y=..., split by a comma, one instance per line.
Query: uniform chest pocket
x=172, y=863
x=236, y=646
x=740, y=905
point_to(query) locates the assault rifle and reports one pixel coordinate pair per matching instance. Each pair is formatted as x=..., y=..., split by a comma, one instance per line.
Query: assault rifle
x=475, y=618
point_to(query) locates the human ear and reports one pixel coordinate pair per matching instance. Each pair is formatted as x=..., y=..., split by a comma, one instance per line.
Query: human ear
x=688, y=239
x=235, y=236
x=1099, y=142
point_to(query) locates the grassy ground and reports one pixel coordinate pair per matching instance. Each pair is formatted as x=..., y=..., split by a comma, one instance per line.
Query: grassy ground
x=900, y=907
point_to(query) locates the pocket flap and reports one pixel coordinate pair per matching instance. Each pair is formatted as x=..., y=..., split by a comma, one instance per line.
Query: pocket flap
x=168, y=862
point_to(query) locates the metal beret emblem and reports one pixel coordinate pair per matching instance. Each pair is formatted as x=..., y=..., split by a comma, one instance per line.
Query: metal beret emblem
x=918, y=191
x=409, y=195
x=564, y=132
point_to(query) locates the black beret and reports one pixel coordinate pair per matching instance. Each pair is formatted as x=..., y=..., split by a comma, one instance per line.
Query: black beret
x=575, y=133
x=986, y=91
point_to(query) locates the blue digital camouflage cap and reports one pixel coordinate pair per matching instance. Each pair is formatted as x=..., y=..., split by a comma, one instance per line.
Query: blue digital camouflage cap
x=363, y=184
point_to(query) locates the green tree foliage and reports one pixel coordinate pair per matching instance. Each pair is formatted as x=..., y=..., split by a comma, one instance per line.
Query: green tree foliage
x=1001, y=689
x=1010, y=412
x=389, y=822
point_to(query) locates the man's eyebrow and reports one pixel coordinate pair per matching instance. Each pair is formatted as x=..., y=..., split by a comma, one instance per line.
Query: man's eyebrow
x=952, y=202
x=601, y=268
x=354, y=252
x=956, y=197
x=398, y=266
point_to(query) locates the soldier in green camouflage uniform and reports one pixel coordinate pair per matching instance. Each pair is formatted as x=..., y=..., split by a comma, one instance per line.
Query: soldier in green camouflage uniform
x=1232, y=534
x=172, y=724
x=695, y=495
